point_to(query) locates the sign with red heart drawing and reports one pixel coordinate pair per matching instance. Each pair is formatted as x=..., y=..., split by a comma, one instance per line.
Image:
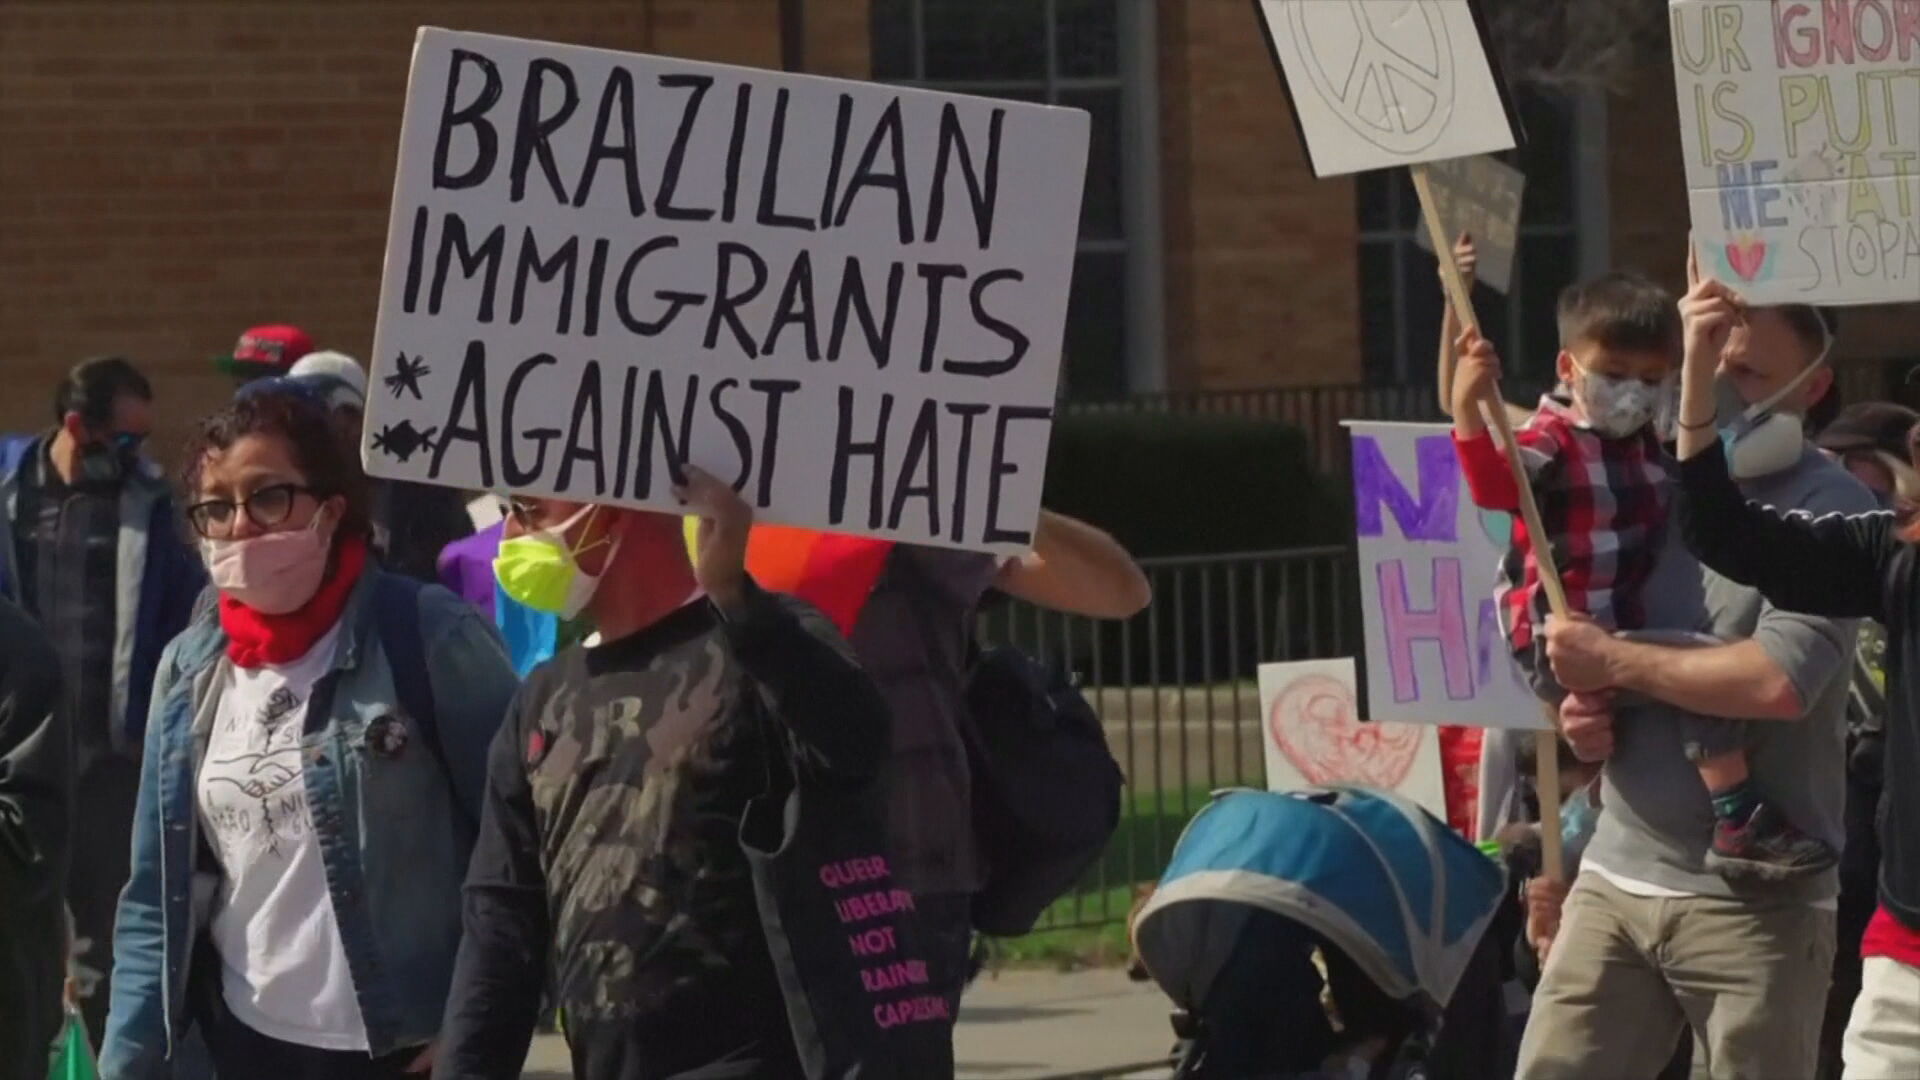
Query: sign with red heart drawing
x=1315, y=736
x=1798, y=130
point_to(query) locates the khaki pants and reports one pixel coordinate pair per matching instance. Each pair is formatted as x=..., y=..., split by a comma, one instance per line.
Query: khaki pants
x=1627, y=973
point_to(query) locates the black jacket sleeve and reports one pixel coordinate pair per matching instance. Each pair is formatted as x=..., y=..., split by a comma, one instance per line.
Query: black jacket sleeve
x=812, y=683
x=1836, y=565
x=497, y=979
x=36, y=767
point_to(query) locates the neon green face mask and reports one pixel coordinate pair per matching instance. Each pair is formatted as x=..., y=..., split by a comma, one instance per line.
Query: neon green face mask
x=542, y=572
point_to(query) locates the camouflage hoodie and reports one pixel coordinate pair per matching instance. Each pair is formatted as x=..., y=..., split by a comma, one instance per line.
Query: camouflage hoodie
x=609, y=855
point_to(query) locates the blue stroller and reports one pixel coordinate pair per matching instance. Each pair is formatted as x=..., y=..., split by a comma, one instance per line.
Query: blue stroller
x=1292, y=929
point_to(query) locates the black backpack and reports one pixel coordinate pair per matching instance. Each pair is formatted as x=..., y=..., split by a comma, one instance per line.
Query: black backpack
x=1046, y=790
x=396, y=605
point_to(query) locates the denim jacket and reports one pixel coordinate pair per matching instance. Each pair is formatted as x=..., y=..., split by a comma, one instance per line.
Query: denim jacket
x=395, y=826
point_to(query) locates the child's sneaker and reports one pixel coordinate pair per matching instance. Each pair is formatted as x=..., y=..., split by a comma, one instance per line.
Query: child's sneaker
x=1767, y=848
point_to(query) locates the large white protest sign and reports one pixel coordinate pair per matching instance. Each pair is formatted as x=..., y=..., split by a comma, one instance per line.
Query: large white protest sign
x=1380, y=83
x=847, y=299
x=1479, y=196
x=1316, y=737
x=1800, y=125
x=1429, y=561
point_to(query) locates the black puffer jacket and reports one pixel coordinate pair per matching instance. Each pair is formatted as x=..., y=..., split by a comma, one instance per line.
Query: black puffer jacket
x=36, y=811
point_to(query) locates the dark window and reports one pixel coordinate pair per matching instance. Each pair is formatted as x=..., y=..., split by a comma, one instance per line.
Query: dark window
x=1061, y=52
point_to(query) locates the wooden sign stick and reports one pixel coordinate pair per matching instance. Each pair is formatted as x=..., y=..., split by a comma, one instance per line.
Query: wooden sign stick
x=1547, y=774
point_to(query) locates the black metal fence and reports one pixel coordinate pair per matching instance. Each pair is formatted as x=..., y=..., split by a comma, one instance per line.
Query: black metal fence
x=1318, y=410
x=1177, y=689
x=1315, y=410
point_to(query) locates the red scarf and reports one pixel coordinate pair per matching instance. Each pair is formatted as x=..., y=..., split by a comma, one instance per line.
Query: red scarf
x=256, y=639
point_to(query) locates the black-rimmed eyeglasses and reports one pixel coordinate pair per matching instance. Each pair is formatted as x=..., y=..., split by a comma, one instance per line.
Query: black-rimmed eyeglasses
x=266, y=508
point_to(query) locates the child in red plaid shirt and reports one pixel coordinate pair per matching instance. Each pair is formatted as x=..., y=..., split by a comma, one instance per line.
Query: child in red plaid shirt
x=1604, y=485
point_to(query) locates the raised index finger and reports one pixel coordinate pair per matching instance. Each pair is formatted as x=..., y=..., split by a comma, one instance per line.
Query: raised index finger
x=1713, y=289
x=1693, y=262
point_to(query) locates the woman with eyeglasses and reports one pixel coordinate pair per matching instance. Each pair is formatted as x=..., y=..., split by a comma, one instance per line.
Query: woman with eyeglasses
x=310, y=787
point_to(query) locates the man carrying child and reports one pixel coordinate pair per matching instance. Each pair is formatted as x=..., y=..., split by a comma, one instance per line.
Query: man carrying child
x=1706, y=897
x=1605, y=485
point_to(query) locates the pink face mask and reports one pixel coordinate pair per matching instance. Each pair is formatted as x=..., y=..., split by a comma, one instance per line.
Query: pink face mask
x=273, y=574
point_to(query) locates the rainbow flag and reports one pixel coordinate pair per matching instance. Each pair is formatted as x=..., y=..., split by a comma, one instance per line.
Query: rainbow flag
x=832, y=572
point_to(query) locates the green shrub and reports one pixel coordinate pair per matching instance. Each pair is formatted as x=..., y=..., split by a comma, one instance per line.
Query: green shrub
x=1172, y=484
x=1183, y=485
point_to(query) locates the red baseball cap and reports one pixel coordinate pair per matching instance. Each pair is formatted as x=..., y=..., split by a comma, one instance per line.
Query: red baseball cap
x=266, y=350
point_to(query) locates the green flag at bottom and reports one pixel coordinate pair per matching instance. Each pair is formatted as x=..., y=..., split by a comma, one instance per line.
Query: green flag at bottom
x=73, y=1057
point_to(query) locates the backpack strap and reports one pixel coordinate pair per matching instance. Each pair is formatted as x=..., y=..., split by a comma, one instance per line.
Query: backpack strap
x=396, y=612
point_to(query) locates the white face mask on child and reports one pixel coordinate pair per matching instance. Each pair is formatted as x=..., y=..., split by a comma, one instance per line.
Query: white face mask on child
x=1617, y=407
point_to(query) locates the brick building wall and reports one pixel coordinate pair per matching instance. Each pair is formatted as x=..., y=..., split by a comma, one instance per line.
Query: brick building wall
x=1646, y=179
x=175, y=172
x=840, y=38
x=1260, y=270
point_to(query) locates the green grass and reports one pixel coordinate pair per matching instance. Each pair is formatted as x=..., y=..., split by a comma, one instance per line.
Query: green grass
x=1089, y=926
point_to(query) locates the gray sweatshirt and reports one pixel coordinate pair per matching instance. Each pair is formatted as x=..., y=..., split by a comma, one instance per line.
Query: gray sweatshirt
x=1659, y=821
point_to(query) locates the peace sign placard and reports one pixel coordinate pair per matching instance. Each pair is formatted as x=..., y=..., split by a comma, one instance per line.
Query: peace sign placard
x=1380, y=83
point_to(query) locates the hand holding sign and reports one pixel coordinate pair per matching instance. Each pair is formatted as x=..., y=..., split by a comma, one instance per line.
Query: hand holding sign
x=1466, y=257
x=1476, y=379
x=1708, y=314
x=720, y=537
x=1545, y=900
x=1481, y=195
x=1587, y=722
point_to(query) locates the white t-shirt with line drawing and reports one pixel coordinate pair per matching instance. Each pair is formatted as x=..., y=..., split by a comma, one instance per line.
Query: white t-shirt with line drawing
x=283, y=968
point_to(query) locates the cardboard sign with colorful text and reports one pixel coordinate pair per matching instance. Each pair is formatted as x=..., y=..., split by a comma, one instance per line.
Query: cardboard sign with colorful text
x=846, y=299
x=1429, y=561
x=1479, y=196
x=1800, y=126
x=1381, y=83
x=1315, y=736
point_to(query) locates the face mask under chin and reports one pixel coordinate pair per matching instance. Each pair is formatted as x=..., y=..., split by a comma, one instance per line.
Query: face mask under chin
x=1761, y=438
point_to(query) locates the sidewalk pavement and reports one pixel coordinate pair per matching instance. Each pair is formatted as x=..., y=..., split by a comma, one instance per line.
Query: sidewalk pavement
x=1020, y=1025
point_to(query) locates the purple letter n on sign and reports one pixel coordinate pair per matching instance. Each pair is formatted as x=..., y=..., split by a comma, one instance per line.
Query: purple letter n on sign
x=1434, y=516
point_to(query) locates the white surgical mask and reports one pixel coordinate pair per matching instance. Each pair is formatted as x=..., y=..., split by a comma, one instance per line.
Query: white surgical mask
x=1617, y=407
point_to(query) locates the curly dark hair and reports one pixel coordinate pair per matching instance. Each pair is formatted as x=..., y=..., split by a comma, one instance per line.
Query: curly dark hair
x=295, y=414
